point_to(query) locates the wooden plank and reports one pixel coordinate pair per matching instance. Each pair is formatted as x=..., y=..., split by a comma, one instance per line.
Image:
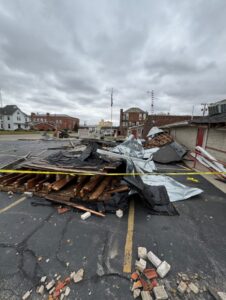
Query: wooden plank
x=4, y=177
x=89, y=186
x=100, y=189
x=81, y=182
x=120, y=189
x=33, y=181
x=22, y=180
x=39, y=185
x=80, y=207
x=11, y=179
x=59, y=184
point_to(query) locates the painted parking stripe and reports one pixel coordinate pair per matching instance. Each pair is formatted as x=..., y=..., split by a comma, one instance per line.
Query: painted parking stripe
x=12, y=204
x=129, y=240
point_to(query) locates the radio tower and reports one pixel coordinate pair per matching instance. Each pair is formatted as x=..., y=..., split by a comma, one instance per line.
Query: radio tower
x=152, y=101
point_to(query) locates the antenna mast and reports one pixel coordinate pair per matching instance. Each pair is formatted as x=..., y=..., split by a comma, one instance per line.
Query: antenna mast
x=152, y=101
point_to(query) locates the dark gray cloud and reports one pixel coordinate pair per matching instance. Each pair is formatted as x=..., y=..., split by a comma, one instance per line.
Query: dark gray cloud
x=65, y=56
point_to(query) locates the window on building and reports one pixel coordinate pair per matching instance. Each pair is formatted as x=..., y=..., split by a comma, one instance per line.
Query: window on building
x=9, y=126
x=8, y=118
x=140, y=117
x=127, y=116
x=144, y=116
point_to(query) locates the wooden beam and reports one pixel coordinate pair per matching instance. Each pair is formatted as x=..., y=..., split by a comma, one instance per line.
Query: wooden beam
x=89, y=186
x=80, y=207
x=59, y=184
x=100, y=189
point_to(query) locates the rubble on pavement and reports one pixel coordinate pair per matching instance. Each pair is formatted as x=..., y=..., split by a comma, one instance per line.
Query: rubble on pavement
x=55, y=289
x=83, y=178
x=148, y=283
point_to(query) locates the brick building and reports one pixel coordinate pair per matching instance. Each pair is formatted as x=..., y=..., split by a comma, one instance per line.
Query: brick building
x=53, y=121
x=133, y=116
x=161, y=120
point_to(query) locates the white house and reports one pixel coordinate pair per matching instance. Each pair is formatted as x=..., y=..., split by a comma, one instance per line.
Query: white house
x=12, y=118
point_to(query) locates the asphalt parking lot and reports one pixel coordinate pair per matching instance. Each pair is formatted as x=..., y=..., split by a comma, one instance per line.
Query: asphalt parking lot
x=37, y=241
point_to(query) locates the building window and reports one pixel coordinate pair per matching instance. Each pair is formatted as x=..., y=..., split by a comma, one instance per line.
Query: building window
x=127, y=116
x=144, y=116
x=140, y=117
x=8, y=118
x=9, y=126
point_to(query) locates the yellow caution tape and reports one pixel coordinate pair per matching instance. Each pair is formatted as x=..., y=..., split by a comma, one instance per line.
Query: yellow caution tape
x=192, y=179
x=38, y=172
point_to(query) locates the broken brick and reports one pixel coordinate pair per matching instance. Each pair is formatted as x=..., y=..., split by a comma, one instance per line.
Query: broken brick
x=62, y=210
x=150, y=273
x=134, y=276
x=137, y=285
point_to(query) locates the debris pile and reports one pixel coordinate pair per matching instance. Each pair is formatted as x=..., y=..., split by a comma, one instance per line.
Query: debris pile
x=169, y=150
x=145, y=280
x=210, y=162
x=55, y=288
x=84, y=178
x=159, y=140
x=148, y=280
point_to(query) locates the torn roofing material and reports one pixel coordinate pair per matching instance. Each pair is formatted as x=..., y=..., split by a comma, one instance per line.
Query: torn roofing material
x=154, y=131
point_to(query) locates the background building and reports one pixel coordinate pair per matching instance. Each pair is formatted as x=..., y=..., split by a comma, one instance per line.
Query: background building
x=103, y=123
x=208, y=132
x=164, y=119
x=12, y=118
x=133, y=116
x=54, y=121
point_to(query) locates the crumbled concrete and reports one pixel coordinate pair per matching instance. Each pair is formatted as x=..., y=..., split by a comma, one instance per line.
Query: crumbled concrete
x=163, y=269
x=52, y=290
x=27, y=295
x=50, y=285
x=142, y=252
x=182, y=287
x=28, y=194
x=40, y=289
x=78, y=276
x=160, y=293
x=154, y=259
x=86, y=215
x=140, y=264
x=222, y=295
x=43, y=279
x=67, y=291
x=145, y=295
x=119, y=213
x=193, y=288
x=136, y=293
x=183, y=276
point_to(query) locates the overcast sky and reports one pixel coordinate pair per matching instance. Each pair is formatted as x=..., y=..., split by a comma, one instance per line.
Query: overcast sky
x=63, y=56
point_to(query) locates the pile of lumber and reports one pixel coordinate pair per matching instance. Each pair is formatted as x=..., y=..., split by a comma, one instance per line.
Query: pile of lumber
x=159, y=140
x=65, y=189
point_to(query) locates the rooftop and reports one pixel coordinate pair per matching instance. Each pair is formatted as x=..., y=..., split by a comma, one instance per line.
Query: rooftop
x=134, y=109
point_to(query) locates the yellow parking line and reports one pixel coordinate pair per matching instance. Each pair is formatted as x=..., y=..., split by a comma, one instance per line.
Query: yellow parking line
x=129, y=240
x=12, y=204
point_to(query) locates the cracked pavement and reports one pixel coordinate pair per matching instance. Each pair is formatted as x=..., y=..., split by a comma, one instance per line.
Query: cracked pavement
x=194, y=242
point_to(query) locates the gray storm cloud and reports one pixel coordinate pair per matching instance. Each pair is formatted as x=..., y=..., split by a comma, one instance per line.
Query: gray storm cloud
x=65, y=55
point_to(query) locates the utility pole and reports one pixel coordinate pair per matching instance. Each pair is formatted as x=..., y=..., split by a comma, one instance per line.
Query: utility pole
x=204, y=109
